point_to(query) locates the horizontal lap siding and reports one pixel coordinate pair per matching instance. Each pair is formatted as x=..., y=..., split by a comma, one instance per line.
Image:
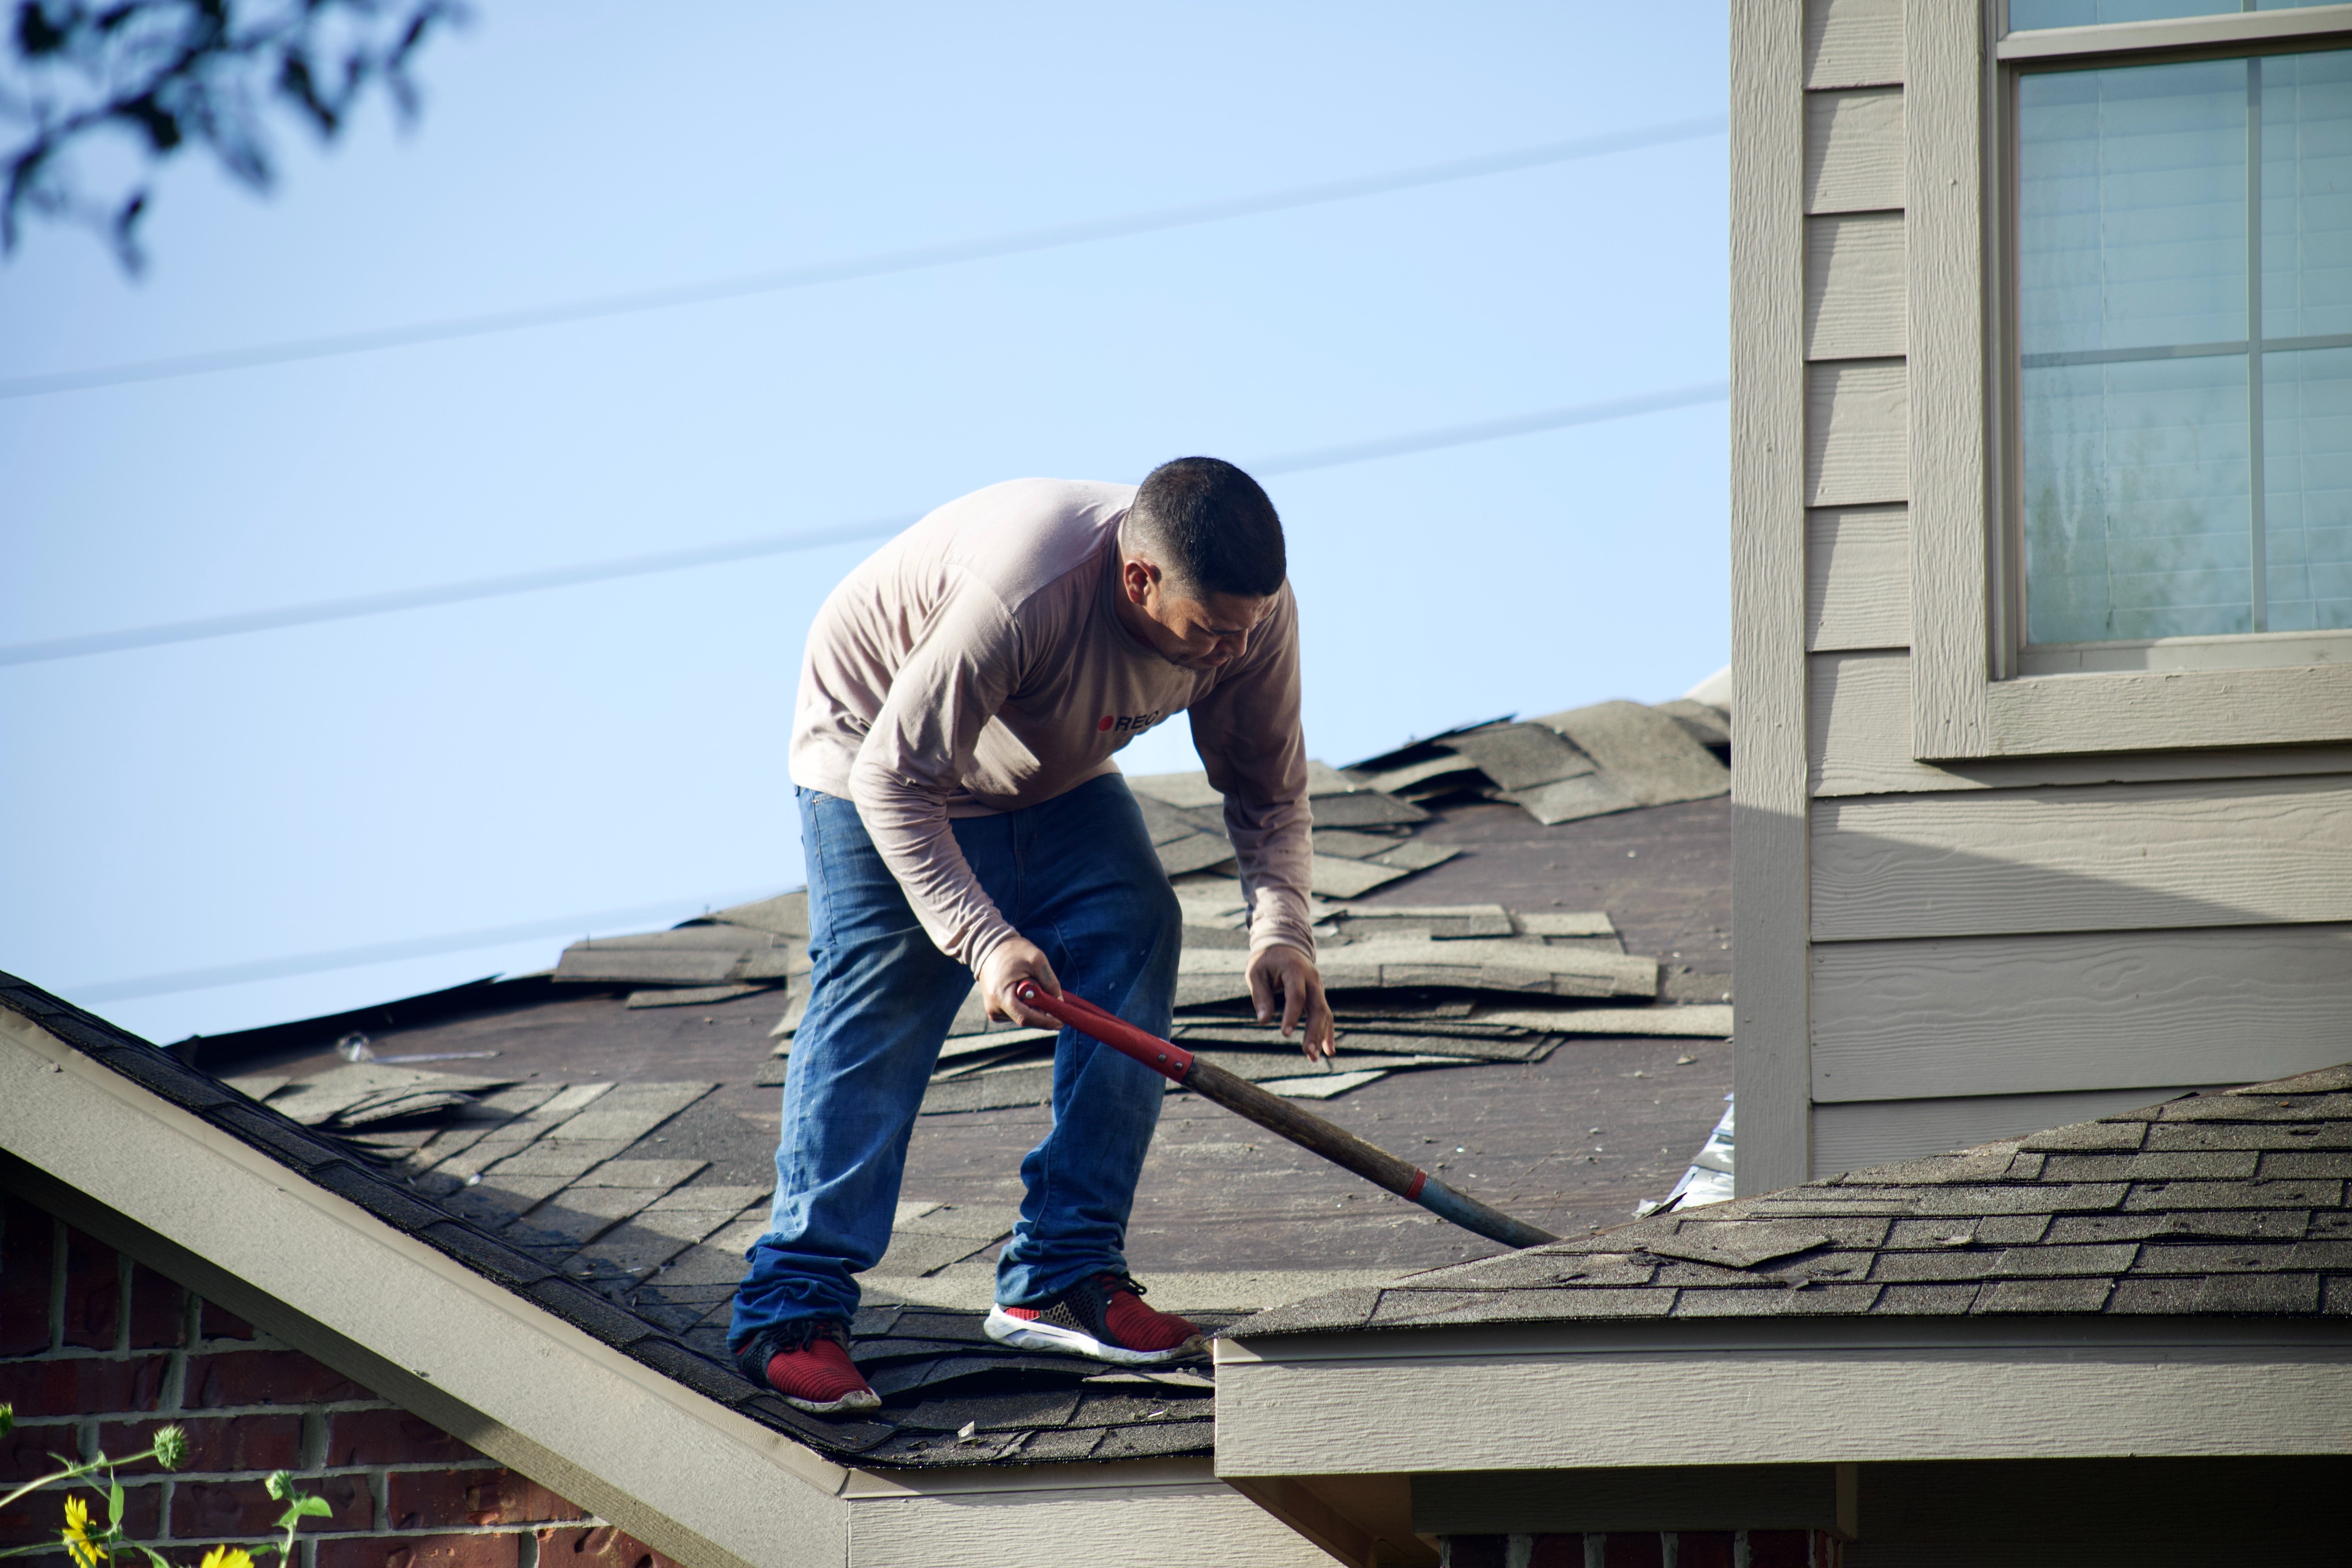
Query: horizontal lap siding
x=1856, y=449
x=2096, y=858
x=1853, y=43
x=1853, y=151
x=2035, y=1015
x=1858, y=579
x=1855, y=306
x=2006, y=945
x=1854, y=340
x=1854, y=1137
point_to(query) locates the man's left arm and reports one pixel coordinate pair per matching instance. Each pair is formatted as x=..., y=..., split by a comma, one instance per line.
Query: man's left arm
x=1246, y=730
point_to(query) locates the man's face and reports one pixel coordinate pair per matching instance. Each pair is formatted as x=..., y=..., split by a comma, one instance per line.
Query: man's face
x=1187, y=632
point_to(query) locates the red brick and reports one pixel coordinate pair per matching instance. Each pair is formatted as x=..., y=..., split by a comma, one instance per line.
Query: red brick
x=1779, y=1548
x=38, y=1517
x=602, y=1546
x=427, y=1499
x=81, y=1385
x=209, y=1510
x=502, y=1550
x=25, y=1453
x=158, y=1309
x=1460, y=1551
x=263, y=1377
x=1703, y=1549
x=1557, y=1552
x=94, y=1293
x=220, y=1323
x=1644, y=1550
x=142, y=1510
x=391, y=1437
x=27, y=1243
x=222, y=1443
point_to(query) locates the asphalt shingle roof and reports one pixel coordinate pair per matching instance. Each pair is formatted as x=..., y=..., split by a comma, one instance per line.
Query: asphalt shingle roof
x=2217, y=1205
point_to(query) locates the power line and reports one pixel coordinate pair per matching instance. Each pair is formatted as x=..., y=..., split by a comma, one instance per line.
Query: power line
x=360, y=605
x=916, y=258
x=384, y=604
x=1494, y=430
x=389, y=951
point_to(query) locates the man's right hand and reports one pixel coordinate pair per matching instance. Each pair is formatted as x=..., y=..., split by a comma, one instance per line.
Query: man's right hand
x=1001, y=974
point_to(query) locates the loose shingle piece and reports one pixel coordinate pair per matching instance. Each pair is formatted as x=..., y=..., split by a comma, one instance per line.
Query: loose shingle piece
x=1562, y=767
x=2256, y=1225
x=1420, y=970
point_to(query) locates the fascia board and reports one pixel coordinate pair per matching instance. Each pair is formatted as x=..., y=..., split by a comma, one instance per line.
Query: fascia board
x=868, y=1486
x=687, y=1476
x=1836, y=1393
x=1109, y=1520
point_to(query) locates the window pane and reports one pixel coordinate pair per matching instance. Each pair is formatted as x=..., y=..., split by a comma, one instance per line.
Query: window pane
x=2132, y=207
x=2306, y=193
x=2025, y=15
x=2307, y=465
x=2135, y=510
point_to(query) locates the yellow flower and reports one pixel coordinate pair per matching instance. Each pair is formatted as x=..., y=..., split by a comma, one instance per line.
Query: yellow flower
x=228, y=1557
x=85, y=1551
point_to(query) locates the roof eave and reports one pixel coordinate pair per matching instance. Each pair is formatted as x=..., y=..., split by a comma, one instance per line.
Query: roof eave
x=1778, y=1391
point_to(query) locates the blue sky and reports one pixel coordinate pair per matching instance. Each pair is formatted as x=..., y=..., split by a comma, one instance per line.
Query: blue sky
x=615, y=752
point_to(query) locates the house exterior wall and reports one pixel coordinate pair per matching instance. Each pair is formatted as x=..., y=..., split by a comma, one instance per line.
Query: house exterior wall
x=97, y=1352
x=1936, y=949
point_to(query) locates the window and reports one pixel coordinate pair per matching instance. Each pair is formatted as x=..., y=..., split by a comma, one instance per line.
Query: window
x=2028, y=15
x=2128, y=271
x=2183, y=288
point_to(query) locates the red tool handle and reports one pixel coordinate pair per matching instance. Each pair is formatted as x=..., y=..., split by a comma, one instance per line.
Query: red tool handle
x=1164, y=1056
x=1309, y=1132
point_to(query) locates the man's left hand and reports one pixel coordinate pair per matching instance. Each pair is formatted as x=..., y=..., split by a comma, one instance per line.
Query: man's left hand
x=1289, y=974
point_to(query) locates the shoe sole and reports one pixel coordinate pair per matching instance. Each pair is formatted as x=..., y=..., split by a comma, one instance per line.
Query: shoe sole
x=1023, y=1333
x=856, y=1400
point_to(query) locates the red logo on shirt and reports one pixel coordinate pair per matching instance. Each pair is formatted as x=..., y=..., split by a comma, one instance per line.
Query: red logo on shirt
x=1131, y=724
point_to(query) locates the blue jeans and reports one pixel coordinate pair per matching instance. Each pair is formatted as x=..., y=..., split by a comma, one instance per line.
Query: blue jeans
x=1079, y=877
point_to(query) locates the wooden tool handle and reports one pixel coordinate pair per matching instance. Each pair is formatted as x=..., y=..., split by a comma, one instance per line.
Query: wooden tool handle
x=1277, y=1115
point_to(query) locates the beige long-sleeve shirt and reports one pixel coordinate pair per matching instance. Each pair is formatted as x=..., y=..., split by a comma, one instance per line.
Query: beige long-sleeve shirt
x=976, y=664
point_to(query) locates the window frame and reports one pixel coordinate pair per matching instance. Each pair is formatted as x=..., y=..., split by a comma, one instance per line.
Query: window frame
x=1970, y=697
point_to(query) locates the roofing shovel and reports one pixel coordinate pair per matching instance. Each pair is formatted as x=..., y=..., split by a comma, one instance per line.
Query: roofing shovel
x=1276, y=1114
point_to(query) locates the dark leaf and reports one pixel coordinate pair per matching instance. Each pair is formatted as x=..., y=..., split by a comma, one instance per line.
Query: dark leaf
x=35, y=35
x=162, y=126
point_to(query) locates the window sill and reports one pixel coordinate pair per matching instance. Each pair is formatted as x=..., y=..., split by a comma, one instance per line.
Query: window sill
x=2259, y=650
x=2131, y=710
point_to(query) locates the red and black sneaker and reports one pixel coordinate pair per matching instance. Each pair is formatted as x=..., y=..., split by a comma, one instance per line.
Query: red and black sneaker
x=807, y=1361
x=1102, y=1318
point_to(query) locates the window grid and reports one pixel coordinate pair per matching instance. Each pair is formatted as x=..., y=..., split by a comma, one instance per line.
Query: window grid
x=2252, y=351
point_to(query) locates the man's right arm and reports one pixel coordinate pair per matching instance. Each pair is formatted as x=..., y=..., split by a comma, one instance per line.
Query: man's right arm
x=914, y=759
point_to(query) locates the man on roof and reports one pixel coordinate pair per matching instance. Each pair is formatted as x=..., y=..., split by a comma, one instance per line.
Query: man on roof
x=963, y=696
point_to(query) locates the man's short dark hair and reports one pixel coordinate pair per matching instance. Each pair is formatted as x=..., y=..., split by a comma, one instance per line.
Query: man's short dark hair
x=1209, y=526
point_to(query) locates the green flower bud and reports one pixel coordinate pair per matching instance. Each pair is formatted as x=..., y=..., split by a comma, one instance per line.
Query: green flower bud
x=171, y=1448
x=280, y=1484
x=8, y=1419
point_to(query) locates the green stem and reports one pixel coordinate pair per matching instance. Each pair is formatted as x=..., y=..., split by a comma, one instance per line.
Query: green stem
x=70, y=1473
x=73, y=1472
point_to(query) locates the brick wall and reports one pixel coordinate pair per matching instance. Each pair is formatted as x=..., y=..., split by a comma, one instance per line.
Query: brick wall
x=96, y=1351
x=1686, y=1549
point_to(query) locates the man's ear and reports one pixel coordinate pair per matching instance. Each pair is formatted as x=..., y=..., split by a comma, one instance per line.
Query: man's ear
x=1138, y=576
